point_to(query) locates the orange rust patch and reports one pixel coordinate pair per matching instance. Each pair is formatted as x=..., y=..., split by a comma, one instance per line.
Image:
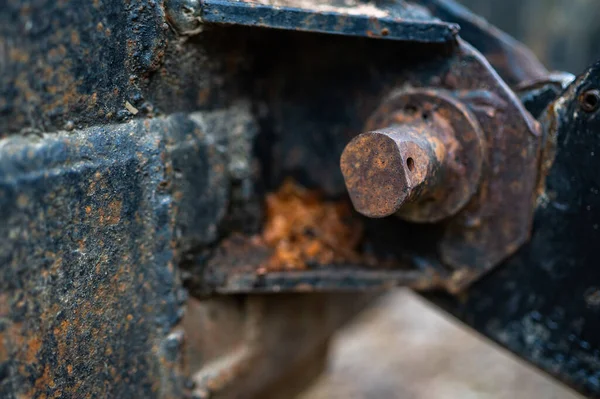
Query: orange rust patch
x=75, y=38
x=112, y=214
x=17, y=55
x=4, y=305
x=304, y=229
x=3, y=350
x=33, y=347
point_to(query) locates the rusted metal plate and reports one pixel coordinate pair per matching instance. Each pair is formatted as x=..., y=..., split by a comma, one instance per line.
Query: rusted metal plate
x=303, y=141
x=498, y=220
x=90, y=299
x=94, y=224
x=442, y=153
x=392, y=21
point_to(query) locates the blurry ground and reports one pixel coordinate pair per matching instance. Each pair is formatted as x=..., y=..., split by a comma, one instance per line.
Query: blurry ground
x=403, y=348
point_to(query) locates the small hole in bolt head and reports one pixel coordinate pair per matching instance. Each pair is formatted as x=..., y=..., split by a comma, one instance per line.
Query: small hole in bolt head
x=590, y=100
x=411, y=164
x=425, y=115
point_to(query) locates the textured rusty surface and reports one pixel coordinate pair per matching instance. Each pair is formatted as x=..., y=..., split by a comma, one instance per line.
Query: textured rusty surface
x=498, y=219
x=103, y=219
x=303, y=229
x=431, y=169
x=71, y=63
x=90, y=296
x=396, y=20
x=379, y=168
x=298, y=139
x=94, y=224
x=307, y=244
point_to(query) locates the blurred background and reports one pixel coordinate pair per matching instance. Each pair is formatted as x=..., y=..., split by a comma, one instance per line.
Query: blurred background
x=563, y=33
x=403, y=347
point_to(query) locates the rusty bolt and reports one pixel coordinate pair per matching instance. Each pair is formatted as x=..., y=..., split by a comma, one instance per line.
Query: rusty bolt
x=421, y=159
x=387, y=168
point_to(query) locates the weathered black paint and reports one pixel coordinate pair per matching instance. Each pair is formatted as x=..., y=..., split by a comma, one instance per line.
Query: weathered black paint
x=394, y=21
x=543, y=303
x=96, y=221
x=72, y=63
x=89, y=294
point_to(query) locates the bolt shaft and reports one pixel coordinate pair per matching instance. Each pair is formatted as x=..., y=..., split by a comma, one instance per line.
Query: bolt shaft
x=387, y=169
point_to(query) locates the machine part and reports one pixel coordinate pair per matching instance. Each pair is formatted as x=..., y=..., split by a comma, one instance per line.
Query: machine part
x=393, y=21
x=425, y=167
x=456, y=252
x=542, y=303
x=538, y=94
x=386, y=169
x=139, y=147
x=308, y=244
x=90, y=299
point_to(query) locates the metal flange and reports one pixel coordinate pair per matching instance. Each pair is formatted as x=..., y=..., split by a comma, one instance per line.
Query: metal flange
x=421, y=160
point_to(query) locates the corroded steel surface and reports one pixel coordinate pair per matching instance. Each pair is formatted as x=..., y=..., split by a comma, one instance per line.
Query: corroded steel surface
x=94, y=223
x=90, y=298
x=543, y=303
x=144, y=148
x=384, y=169
x=439, y=149
x=498, y=219
x=391, y=20
x=67, y=64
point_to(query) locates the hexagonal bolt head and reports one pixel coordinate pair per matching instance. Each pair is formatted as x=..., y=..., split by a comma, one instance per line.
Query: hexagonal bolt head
x=385, y=169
